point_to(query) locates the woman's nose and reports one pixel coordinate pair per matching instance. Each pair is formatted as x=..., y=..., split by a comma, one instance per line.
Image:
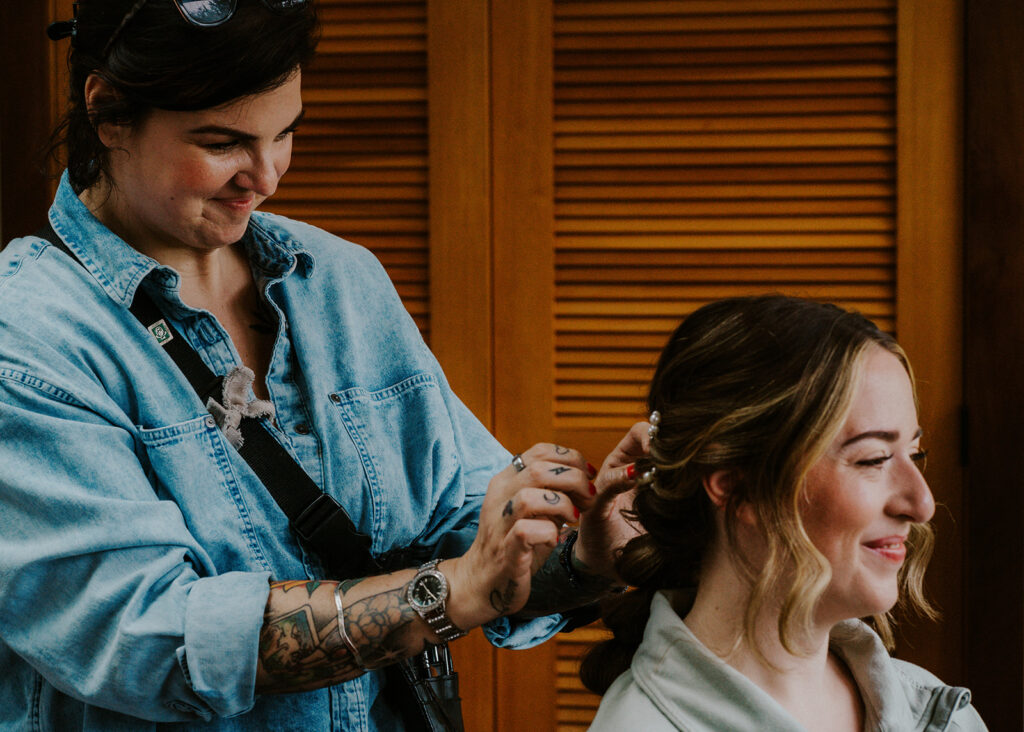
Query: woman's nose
x=261, y=175
x=912, y=498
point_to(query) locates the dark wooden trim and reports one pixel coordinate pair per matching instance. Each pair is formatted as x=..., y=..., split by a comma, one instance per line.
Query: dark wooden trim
x=25, y=121
x=994, y=357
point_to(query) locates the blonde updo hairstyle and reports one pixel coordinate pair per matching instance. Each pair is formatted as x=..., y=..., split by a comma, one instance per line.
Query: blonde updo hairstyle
x=760, y=387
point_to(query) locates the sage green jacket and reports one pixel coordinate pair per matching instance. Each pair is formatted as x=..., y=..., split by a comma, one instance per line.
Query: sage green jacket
x=675, y=683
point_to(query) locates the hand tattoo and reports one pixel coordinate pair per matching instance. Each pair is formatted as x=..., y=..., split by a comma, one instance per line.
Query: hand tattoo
x=559, y=450
x=552, y=498
x=502, y=601
x=508, y=510
x=560, y=469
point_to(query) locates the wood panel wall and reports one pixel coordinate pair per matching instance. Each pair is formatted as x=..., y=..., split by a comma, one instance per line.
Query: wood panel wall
x=553, y=183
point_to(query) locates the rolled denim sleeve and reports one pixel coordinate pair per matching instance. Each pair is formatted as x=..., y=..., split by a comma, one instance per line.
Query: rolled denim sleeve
x=103, y=589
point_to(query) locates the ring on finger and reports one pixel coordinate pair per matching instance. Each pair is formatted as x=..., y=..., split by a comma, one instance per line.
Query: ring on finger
x=518, y=464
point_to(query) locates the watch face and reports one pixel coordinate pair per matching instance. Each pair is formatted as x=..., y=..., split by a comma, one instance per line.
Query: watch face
x=428, y=592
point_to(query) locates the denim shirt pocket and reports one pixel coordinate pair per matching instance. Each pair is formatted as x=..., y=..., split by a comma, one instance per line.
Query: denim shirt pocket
x=406, y=444
x=190, y=464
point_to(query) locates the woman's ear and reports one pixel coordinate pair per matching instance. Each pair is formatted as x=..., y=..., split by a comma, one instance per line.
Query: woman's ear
x=720, y=486
x=99, y=93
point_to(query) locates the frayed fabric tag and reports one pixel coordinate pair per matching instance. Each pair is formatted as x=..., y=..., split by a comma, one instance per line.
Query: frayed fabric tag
x=236, y=405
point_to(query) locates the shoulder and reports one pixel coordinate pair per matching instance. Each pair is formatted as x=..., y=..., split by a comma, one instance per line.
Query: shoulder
x=626, y=706
x=927, y=694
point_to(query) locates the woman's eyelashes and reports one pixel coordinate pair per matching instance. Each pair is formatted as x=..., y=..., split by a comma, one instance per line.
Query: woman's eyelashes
x=874, y=462
x=221, y=146
x=229, y=145
x=918, y=457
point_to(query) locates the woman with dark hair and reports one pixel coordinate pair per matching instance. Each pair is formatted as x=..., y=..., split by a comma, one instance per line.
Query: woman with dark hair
x=148, y=572
x=782, y=500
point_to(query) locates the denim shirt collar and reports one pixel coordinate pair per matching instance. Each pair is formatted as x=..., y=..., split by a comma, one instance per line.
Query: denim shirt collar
x=120, y=268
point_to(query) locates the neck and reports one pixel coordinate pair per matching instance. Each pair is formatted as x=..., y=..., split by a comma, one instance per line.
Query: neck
x=207, y=274
x=809, y=682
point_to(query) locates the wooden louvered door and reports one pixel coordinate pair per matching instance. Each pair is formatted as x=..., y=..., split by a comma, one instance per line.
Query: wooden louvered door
x=359, y=166
x=700, y=150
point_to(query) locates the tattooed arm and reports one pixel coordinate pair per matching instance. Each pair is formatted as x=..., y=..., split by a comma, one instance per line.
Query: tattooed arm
x=501, y=574
x=300, y=646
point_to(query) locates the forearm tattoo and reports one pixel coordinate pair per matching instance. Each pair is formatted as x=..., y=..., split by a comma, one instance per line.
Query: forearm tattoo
x=299, y=650
x=378, y=626
x=300, y=647
x=551, y=590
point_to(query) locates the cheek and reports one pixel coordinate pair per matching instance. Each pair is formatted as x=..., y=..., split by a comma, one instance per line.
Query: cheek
x=832, y=519
x=201, y=177
x=283, y=159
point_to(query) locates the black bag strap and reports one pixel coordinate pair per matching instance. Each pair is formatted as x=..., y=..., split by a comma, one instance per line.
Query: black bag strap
x=314, y=515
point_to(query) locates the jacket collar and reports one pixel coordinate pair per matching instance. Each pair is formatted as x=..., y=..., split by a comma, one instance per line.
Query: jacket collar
x=120, y=269
x=679, y=674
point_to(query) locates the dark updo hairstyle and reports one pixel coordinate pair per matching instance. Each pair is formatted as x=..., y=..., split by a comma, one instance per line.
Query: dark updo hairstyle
x=760, y=387
x=160, y=61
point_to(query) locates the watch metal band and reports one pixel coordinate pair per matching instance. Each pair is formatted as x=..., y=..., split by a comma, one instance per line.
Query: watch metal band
x=436, y=617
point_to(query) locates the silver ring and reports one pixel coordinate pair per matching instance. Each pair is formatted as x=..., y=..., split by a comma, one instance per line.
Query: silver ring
x=518, y=464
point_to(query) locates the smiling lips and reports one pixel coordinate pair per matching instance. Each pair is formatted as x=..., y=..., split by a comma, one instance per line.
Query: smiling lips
x=890, y=548
x=240, y=205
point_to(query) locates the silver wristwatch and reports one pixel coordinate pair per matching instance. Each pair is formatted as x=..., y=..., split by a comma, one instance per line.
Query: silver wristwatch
x=427, y=594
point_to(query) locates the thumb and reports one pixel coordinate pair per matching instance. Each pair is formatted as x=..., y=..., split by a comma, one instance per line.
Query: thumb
x=613, y=481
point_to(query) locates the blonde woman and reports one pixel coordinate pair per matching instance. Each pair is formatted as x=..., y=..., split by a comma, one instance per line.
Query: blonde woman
x=783, y=501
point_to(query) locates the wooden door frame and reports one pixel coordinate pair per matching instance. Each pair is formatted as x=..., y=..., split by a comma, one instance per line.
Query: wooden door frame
x=994, y=359
x=929, y=319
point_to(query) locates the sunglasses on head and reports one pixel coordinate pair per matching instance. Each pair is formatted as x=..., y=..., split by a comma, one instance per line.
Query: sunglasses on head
x=201, y=13
x=209, y=13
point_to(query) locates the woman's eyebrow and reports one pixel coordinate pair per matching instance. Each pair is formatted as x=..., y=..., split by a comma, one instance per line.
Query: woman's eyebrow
x=238, y=134
x=886, y=435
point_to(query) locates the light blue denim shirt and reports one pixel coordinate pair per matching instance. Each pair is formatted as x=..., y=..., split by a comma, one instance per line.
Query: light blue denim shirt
x=135, y=543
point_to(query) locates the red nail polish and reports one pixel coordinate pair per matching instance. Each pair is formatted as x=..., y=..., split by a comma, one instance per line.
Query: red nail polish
x=591, y=471
x=631, y=471
x=575, y=512
x=593, y=489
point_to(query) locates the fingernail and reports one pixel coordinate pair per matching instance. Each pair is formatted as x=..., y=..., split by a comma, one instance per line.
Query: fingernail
x=631, y=471
x=575, y=512
x=593, y=489
x=591, y=471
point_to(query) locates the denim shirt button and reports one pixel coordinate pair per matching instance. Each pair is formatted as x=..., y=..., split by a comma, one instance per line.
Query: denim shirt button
x=210, y=421
x=302, y=428
x=335, y=398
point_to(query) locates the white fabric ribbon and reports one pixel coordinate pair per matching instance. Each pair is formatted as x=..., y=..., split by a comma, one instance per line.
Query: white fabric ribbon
x=236, y=404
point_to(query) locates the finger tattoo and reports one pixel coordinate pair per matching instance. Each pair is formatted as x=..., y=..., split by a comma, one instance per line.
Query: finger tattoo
x=559, y=450
x=551, y=498
x=559, y=470
x=508, y=509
